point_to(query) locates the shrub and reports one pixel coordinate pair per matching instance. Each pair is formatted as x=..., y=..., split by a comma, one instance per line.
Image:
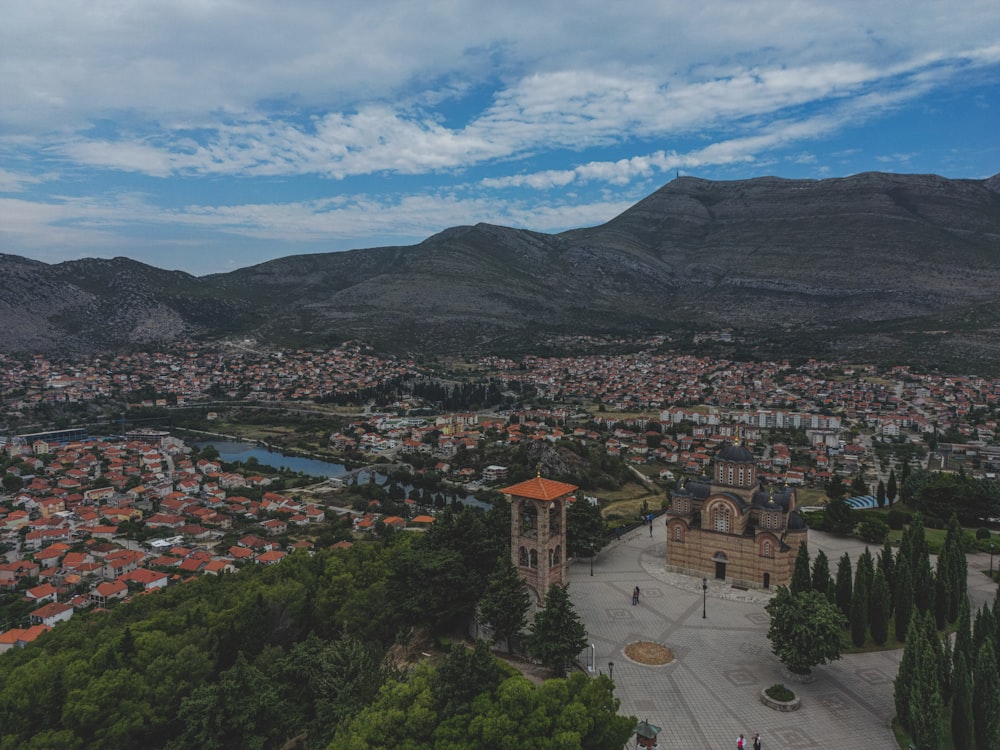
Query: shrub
x=779, y=692
x=982, y=533
x=873, y=529
x=896, y=519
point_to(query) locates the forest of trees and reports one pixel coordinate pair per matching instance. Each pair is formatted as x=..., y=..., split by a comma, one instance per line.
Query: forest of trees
x=299, y=651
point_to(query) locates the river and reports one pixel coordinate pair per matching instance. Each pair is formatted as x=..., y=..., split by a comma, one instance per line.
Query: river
x=231, y=451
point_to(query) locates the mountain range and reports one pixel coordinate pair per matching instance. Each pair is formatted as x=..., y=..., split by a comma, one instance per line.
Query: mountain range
x=875, y=266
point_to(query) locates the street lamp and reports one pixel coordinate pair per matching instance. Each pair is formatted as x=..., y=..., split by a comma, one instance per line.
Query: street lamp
x=704, y=596
x=992, y=550
x=611, y=670
x=591, y=558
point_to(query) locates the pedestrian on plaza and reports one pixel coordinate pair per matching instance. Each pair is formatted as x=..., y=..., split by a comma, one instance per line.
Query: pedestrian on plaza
x=651, y=526
x=740, y=743
x=635, y=596
x=756, y=741
x=618, y=532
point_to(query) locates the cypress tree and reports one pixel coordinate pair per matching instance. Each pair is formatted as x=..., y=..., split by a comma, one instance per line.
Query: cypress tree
x=962, y=729
x=963, y=636
x=907, y=675
x=921, y=575
x=957, y=567
x=821, y=580
x=886, y=564
x=859, y=612
x=878, y=616
x=903, y=606
x=801, y=578
x=926, y=705
x=983, y=628
x=844, y=588
x=942, y=659
x=864, y=575
x=880, y=494
x=942, y=594
x=891, y=488
x=986, y=697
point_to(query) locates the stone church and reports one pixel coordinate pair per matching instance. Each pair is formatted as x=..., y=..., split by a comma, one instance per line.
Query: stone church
x=734, y=527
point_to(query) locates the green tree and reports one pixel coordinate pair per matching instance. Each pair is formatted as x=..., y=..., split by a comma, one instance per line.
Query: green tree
x=962, y=726
x=888, y=568
x=821, y=580
x=801, y=578
x=505, y=603
x=880, y=494
x=557, y=634
x=859, y=612
x=902, y=608
x=835, y=488
x=907, y=674
x=805, y=629
x=878, y=615
x=586, y=529
x=838, y=517
x=462, y=676
x=986, y=697
x=891, y=489
x=844, y=585
x=926, y=705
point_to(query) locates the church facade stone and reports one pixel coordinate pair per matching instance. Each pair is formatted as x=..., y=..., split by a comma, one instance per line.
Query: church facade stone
x=731, y=526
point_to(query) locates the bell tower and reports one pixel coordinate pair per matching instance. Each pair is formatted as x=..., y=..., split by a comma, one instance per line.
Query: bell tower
x=538, y=532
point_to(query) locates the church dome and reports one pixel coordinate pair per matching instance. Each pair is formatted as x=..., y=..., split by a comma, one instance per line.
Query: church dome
x=736, y=453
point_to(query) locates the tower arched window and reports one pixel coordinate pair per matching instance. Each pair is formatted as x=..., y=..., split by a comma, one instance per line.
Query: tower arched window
x=766, y=549
x=730, y=480
x=678, y=533
x=522, y=557
x=534, y=558
x=721, y=470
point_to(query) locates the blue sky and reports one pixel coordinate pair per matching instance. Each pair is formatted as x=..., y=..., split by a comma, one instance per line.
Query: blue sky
x=208, y=135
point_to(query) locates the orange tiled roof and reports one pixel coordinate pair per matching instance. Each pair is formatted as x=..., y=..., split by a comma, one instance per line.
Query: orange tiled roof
x=540, y=488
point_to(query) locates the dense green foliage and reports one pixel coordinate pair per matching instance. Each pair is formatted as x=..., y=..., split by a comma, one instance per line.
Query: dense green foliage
x=805, y=629
x=578, y=713
x=245, y=660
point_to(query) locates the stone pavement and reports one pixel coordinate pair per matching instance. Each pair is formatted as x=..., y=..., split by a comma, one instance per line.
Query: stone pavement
x=710, y=692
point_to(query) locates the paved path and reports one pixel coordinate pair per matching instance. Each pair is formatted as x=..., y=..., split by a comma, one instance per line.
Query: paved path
x=710, y=692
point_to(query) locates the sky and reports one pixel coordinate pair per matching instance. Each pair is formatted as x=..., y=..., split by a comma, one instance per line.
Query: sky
x=210, y=135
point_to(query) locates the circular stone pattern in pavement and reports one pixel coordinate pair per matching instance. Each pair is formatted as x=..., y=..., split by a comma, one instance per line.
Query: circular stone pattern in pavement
x=651, y=654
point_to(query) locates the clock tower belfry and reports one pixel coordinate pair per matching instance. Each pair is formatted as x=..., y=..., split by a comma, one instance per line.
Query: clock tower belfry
x=538, y=532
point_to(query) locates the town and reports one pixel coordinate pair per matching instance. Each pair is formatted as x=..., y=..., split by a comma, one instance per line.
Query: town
x=73, y=500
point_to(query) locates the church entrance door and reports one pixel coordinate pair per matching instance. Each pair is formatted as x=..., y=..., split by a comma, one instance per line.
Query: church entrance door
x=720, y=570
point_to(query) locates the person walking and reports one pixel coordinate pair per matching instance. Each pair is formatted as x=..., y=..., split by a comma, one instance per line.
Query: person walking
x=756, y=741
x=740, y=743
x=635, y=596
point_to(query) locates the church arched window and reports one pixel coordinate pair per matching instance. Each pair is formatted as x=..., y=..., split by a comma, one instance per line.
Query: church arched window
x=522, y=557
x=557, y=555
x=766, y=548
x=721, y=470
x=721, y=518
x=534, y=558
x=678, y=533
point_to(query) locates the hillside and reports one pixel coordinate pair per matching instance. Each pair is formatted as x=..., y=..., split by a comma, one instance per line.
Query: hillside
x=874, y=265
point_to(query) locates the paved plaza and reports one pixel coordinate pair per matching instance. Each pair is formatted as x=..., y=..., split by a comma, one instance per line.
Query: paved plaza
x=709, y=694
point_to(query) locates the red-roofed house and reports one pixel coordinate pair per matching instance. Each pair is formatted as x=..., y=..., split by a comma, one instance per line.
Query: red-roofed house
x=148, y=579
x=103, y=593
x=20, y=637
x=51, y=613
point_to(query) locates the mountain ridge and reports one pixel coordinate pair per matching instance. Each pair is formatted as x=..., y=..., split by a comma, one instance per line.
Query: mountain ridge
x=875, y=263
